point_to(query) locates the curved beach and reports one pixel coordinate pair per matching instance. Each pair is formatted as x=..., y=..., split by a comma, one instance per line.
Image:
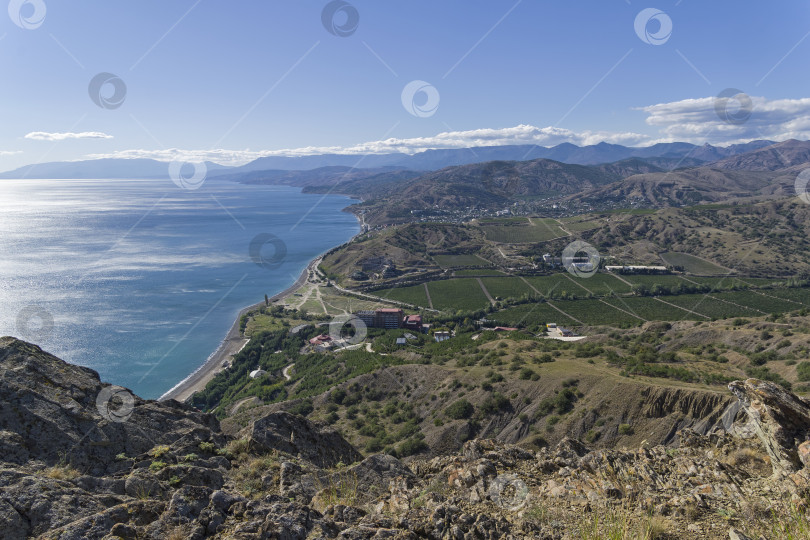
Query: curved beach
x=232, y=344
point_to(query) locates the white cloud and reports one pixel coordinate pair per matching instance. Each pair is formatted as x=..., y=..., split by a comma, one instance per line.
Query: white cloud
x=698, y=121
x=522, y=134
x=9, y=152
x=45, y=136
x=688, y=120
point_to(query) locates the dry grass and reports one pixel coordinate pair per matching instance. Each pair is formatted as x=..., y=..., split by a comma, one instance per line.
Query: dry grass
x=61, y=472
x=621, y=524
x=249, y=472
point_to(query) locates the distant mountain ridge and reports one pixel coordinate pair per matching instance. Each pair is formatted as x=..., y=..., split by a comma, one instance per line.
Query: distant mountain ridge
x=678, y=154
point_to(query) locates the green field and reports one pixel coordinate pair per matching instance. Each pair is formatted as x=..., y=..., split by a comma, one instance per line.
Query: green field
x=598, y=284
x=414, y=294
x=451, y=261
x=537, y=313
x=579, y=225
x=594, y=312
x=506, y=287
x=457, y=294
x=710, y=307
x=523, y=231
x=692, y=264
x=651, y=309
x=479, y=273
x=763, y=302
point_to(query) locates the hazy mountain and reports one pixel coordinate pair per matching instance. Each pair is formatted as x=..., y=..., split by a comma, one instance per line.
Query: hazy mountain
x=100, y=168
x=675, y=154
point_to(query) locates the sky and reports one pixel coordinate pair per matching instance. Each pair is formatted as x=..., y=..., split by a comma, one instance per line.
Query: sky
x=233, y=81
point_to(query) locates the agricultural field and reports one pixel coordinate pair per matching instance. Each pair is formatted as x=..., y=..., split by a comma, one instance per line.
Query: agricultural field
x=801, y=296
x=457, y=294
x=507, y=287
x=452, y=261
x=413, y=294
x=692, y=264
x=598, y=284
x=479, y=273
x=664, y=280
x=710, y=307
x=595, y=312
x=578, y=224
x=524, y=231
x=759, y=301
x=536, y=313
x=651, y=309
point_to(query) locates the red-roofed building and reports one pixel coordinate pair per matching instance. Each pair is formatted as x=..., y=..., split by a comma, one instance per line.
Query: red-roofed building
x=320, y=340
x=413, y=322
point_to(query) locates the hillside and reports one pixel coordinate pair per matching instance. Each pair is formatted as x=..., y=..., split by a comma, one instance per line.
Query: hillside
x=83, y=460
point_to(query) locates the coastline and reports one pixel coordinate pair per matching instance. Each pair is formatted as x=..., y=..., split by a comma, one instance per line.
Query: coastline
x=230, y=345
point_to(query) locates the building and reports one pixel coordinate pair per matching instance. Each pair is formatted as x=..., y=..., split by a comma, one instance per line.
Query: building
x=637, y=269
x=401, y=341
x=375, y=264
x=413, y=322
x=258, y=372
x=382, y=318
x=320, y=340
x=441, y=335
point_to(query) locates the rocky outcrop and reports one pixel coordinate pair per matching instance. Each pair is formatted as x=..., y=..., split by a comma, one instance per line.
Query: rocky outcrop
x=298, y=436
x=74, y=465
x=780, y=419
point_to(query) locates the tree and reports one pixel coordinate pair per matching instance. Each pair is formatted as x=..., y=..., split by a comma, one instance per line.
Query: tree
x=266, y=300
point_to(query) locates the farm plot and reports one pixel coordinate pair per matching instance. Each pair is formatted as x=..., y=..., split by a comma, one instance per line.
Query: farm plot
x=708, y=306
x=506, y=287
x=535, y=313
x=598, y=284
x=522, y=231
x=692, y=264
x=651, y=309
x=457, y=294
x=754, y=300
x=413, y=294
x=595, y=312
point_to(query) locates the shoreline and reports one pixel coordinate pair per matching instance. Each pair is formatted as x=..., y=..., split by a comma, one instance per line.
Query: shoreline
x=232, y=343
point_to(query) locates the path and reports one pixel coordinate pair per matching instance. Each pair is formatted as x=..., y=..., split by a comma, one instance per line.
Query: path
x=427, y=293
x=286, y=372
x=578, y=284
x=486, y=292
x=682, y=308
x=531, y=286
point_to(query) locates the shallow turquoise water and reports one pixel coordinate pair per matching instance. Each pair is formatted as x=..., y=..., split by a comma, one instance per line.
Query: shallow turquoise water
x=142, y=279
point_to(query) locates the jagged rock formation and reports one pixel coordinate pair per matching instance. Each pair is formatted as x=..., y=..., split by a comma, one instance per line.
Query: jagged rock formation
x=80, y=461
x=780, y=419
x=294, y=435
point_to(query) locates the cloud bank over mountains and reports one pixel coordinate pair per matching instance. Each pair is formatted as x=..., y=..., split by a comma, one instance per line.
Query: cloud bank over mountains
x=701, y=120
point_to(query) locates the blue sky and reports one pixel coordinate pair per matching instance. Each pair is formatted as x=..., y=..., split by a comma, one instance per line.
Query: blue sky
x=230, y=81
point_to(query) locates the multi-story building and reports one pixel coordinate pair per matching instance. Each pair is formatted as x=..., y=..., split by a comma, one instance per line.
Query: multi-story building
x=382, y=318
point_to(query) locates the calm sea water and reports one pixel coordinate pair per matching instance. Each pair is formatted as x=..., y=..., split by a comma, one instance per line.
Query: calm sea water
x=142, y=279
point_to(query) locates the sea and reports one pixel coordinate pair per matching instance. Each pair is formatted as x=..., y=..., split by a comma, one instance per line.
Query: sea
x=141, y=280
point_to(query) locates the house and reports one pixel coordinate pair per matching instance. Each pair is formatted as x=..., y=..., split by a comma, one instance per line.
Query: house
x=359, y=276
x=637, y=269
x=258, y=372
x=320, y=340
x=551, y=325
x=375, y=264
x=402, y=341
x=565, y=332
x=412, y=322
x=441, y=335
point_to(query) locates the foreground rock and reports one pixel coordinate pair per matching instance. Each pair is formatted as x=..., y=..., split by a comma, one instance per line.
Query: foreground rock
x=780, y=419
x=73, y=466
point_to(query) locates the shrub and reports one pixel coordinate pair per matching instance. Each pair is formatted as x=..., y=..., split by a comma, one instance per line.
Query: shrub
x=625, y=429
x=460, y=409
x=495, y=403
x=803, y=371
x=411, y=447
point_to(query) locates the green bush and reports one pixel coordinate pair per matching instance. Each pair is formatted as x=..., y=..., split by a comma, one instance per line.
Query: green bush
x=803, y=371
x=460, y=409
x=625, y=429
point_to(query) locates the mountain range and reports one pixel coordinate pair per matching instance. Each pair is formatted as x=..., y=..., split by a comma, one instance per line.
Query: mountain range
x=669, y=155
